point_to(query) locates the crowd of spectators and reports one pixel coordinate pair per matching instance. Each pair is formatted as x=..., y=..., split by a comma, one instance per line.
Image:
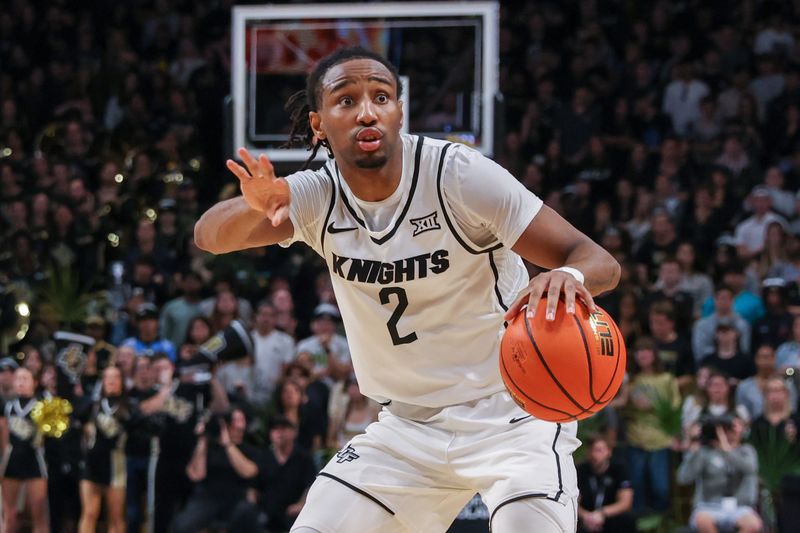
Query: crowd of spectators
x=667, y=131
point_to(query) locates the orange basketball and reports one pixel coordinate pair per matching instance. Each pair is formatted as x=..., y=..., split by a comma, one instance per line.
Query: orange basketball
x=563, y=370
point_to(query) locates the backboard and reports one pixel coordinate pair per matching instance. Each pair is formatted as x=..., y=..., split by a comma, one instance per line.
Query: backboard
x=445, y=52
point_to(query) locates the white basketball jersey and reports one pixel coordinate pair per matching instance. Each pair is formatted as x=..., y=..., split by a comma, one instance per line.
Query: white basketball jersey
x=422, y=306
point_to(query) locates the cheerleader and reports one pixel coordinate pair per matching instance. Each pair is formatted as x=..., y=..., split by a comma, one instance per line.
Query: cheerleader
x=104, y=470
x=23, y=465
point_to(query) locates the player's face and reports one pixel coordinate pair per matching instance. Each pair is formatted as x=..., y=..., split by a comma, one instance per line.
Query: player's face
x=359, y=113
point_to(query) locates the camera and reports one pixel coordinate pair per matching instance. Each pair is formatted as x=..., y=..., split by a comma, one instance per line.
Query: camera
x=709, y=424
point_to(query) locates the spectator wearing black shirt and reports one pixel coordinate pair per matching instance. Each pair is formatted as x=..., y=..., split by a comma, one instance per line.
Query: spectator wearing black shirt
x=728, y=358
x=223, y=468
x=779, y=421
x=661, y=242
x=139, y=445
x=287, y=472
x=672, y=348
x=668, y=288
x=606, y=495
x=775, y=327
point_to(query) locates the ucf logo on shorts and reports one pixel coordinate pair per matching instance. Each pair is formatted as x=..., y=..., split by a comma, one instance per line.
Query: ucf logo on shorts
x=346, y=454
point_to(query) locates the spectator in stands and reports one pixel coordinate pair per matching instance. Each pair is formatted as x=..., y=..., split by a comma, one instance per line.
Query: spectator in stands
x=291, y=402
x=648, y=450
x=725, y=475
x=198, y=332
x=746, y=304
x=243, y=308
x=750, y=392
x=779, y=420
x=668, y=288
x=674, y=350
x=351, y=415
x=704, y=330
x=139, y=445
x=783, y=201
x=693, y=281
x=788, y=353
x=661, y=242
x=7, y=367
x=728, y=357
x=178, y=313
x=223, y=468
x=717, y=400
x=147, y=342
x=682, y=97
x=606, y=493
x=225, y=310
x=325, y=352
x=751, y=232
x=287, y=472
x=775, y=327
x=274, y=349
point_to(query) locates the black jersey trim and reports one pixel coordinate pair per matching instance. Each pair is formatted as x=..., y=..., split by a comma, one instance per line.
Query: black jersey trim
x=360, y=491
x=346, y=202
x=450, y=224
x=404, y=212
x=526, y=496
x=558, y=463
x=330, y=209
x=496, y=281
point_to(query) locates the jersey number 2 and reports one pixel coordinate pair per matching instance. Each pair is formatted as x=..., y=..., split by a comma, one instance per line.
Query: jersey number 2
x=402, y=304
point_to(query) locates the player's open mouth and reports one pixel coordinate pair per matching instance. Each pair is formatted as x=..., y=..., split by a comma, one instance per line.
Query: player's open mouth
x=369, y=139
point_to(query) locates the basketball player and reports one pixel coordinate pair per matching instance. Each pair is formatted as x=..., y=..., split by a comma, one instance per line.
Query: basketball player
x=423, y=240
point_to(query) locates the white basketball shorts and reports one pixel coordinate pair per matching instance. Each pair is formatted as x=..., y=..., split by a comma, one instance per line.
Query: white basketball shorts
x=421, y=466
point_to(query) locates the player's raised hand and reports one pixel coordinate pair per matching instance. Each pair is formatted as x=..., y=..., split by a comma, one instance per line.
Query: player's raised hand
x=262, y=190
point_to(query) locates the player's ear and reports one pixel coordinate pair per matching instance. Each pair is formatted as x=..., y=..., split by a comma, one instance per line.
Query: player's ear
x=315, y=120
x=400, y=107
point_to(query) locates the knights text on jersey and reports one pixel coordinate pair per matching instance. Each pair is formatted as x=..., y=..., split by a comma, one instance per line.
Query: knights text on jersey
x=421, y=303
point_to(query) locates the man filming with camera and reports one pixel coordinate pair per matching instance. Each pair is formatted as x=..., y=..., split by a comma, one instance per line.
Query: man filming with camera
x=223, y=468
x=725, y=474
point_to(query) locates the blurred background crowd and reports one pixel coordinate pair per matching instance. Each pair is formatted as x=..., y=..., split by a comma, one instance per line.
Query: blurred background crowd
x=667, y=131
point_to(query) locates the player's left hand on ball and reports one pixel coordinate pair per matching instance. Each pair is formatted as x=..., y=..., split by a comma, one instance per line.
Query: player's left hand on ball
x=552, y=284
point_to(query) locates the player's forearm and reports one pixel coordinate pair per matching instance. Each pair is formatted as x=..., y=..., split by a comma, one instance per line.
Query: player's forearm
x=600, y=270
x=233, y=225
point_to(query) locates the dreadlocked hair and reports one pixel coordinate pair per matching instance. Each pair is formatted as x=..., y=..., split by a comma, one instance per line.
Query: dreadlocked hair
x=304, y=101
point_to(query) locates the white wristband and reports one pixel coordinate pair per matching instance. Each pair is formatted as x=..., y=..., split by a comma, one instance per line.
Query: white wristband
x=577, y=274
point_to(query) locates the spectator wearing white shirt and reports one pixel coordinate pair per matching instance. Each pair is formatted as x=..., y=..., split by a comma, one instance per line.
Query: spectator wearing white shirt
x=325, y=352
x=775, y=38
x=783, y=201
x=750, y=234
x=682, y=98
x=274, y=349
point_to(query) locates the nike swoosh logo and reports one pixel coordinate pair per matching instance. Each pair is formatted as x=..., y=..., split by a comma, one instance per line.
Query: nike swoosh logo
x=518, y=419
x=331, y=229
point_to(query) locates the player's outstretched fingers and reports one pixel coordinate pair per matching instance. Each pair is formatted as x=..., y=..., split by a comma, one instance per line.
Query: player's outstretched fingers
x=238, y=170
x=553, y=295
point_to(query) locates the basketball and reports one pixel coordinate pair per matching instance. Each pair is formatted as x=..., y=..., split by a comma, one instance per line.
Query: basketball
x=566, y=369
